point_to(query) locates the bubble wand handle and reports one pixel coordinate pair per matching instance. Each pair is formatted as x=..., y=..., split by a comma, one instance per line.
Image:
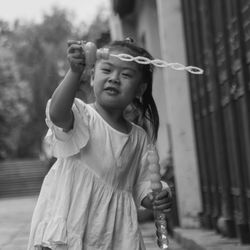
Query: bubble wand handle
x=156, y=186
x=92, y=54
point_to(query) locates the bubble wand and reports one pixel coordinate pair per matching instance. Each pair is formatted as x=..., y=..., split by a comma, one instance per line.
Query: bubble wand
x=92, y=54
x=160, y=218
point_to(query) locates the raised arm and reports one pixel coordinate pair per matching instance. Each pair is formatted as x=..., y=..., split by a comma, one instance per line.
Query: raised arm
x=63, y=97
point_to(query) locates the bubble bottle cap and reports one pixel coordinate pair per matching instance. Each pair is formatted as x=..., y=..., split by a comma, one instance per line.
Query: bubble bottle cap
x=102, y=53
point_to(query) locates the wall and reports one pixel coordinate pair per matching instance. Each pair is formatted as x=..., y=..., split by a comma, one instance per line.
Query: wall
x=148, y=36
x=180, y=113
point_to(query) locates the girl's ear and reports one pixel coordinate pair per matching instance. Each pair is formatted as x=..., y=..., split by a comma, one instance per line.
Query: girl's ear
x=141, y=89
x=92, y=76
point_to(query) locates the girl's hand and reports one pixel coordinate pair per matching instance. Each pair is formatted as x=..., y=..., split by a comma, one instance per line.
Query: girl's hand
x=76, y=56
x=163, y=201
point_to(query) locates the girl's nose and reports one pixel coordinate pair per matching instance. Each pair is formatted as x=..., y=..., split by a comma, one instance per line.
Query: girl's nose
x=114, y=78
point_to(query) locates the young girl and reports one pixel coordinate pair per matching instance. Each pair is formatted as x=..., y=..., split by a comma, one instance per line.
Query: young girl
x=90, y=196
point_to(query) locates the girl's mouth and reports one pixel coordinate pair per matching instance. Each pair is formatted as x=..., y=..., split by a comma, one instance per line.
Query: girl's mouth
x=111, y=90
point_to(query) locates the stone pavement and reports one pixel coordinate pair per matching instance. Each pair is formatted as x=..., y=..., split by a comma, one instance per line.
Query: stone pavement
x=201, y=239
x=15, y=217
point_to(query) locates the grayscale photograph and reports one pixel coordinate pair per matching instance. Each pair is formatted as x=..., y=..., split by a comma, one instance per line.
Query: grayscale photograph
x=125, y=125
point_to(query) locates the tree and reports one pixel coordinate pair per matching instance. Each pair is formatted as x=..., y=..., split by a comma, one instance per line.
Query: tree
x=40, y=54
x=37, y=62
x=15, y=97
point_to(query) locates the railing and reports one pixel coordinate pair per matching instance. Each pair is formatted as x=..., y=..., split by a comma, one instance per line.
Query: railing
x=21, y=177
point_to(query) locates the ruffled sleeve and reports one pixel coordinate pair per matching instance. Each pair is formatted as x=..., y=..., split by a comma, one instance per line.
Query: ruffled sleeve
x=64, y=144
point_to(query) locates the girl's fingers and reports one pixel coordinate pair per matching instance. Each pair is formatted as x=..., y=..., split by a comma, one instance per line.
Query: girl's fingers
x=164, y=193
x=77, y=55
x=167, y=211
x=165, y=206
x=70, y=42
x=163, y=201
x=77, y=61
x=75, y=48
x=77, y=65
x=163, y=197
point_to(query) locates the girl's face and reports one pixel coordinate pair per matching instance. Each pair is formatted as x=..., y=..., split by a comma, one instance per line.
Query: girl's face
x=116, y=83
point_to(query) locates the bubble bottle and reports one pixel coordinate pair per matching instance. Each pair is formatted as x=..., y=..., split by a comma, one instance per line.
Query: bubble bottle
x=92, y=53
x=156, y=186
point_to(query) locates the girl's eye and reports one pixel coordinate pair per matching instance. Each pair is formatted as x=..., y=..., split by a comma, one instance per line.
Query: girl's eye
x=106, y=70
x=127, y=75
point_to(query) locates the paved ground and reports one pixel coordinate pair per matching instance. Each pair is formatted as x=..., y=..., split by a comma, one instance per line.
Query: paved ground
x=15, y=217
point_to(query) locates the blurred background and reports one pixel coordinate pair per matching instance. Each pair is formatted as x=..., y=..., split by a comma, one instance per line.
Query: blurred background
x=204, y=136
x=33, y=60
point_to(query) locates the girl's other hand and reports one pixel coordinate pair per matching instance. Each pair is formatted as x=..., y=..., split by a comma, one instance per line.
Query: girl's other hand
x=76, y=56
x=163, y=201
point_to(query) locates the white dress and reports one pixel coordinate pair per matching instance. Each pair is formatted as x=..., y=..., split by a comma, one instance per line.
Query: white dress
x=90, y=196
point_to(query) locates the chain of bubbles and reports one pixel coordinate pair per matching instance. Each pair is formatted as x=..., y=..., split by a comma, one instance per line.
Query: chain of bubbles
x=158, y=63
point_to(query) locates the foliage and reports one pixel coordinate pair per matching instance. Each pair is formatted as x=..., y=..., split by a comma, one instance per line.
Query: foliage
x=15, y=97
x=98, y=31
x=32, y=63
